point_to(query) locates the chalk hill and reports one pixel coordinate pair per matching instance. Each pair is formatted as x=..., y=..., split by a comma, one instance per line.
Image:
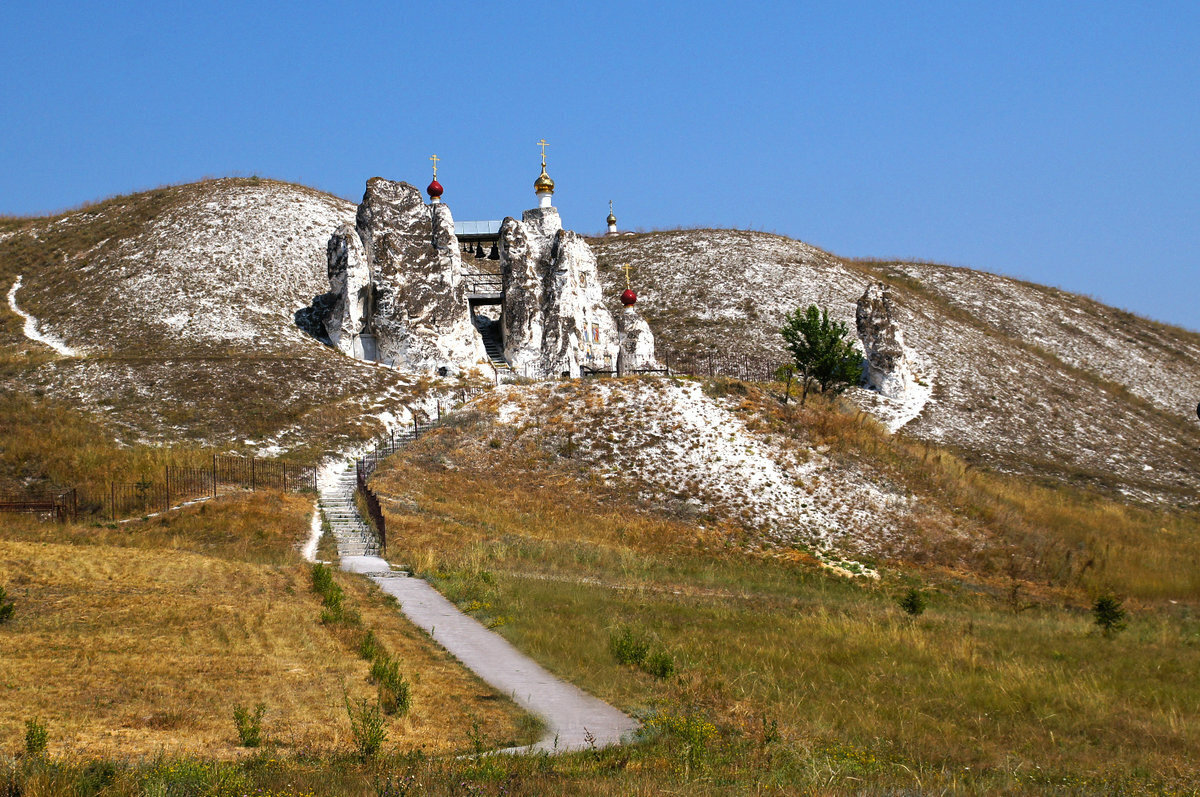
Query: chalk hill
x=1023, y=377
x=182, y=301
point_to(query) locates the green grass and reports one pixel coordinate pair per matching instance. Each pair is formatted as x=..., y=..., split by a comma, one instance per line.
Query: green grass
x=978, y=694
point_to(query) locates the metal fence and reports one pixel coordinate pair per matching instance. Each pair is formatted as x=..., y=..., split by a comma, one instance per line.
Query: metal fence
x=180, y=485
x=365, y=465
x=708, y=363
x=61, y=506
x=721, y=363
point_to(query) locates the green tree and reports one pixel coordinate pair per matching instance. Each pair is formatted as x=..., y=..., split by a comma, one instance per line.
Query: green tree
x=912, y=602
x=823, y=353
x=1109, y=614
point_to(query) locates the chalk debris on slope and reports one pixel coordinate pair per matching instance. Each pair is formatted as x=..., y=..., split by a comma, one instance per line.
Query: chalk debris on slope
x=31, y=325
x=673, y=442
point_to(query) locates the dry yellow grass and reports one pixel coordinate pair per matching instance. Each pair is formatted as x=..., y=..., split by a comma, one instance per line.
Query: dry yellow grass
x=973, y=694
x=127, y=650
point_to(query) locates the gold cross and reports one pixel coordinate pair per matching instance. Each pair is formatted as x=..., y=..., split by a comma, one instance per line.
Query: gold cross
x=627, y=269
x=543, y=145
x=610, y=207
x=435, y=159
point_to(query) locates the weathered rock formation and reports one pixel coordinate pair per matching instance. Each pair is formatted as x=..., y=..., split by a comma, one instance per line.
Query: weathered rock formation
x=636, y=341
x=889, y=367
x=554, y=318
x=350, y=285
x=396, y=289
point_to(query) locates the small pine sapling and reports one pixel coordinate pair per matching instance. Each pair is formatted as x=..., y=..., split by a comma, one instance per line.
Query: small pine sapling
x=249, y=724
x=1109, y=614
x=912, y=602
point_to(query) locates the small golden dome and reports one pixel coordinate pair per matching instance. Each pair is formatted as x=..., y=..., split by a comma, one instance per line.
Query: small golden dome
x=611, y=218
x=543, y=183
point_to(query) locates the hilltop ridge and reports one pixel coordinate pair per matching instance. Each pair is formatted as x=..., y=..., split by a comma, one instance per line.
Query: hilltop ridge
x=1024, y=378
x=182, y=298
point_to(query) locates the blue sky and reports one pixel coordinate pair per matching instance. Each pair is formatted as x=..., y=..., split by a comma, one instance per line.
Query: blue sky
x=1056, y=142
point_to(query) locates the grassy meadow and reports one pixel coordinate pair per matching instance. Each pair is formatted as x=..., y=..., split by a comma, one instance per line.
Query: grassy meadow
x=754, y=669
x=136, y=641
x=810, y=681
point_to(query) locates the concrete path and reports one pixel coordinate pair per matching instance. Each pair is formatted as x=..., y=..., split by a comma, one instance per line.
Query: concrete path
x=335, y=487
x=574, y=719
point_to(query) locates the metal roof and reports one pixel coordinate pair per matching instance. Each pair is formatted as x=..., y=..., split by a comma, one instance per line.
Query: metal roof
x=477, y=227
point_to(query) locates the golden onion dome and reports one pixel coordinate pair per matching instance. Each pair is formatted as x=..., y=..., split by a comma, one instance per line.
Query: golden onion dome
x=611, y=218
x=543, y=182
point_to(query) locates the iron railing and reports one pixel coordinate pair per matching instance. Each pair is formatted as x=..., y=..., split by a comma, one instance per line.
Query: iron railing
x=62, y=506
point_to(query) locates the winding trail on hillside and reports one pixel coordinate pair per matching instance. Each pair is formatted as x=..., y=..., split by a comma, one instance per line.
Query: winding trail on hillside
x=574, y=719
x=31, y=325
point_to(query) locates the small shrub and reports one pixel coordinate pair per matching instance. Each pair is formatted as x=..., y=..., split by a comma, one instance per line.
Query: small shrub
x=660, y=664
x=249, y=724
x=1109, y=614
x=395, y=692
x=36, y=737
x=629, y=646
x=95, y=778
x=7, y=607
x=333, y=599
x=366, y=727
x=690, y=735
x=912, y=602
x=322, y=578
x=369, y=647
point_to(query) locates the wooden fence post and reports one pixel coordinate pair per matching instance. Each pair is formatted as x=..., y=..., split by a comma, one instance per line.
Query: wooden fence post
x=112, y=504
x=214, y=475
x=252, y=484
x=167, y=488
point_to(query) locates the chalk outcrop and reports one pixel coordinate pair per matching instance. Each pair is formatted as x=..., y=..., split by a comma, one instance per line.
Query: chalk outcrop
x=554, y=318
x=889, y=366
x=636, y=341
x=350, y=287
x=396, y=285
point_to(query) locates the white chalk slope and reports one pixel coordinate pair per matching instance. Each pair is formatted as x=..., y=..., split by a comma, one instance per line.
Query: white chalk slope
x=1022, y=377
x=672, y=442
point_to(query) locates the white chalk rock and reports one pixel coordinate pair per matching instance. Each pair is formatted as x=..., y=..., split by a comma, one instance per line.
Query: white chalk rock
x=397, y=294
x=889, y=364
x=554, y=318
x=636, y=340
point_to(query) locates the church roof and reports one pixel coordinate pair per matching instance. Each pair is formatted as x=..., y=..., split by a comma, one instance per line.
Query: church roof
x=462, y=228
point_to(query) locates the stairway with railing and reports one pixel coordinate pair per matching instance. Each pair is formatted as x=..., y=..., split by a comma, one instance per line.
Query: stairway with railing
x=356, y=535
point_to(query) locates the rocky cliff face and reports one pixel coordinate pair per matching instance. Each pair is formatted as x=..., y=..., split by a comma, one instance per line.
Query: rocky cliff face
x=396, y=285
x=554, y=317
x=350, y=285
x=889, y=367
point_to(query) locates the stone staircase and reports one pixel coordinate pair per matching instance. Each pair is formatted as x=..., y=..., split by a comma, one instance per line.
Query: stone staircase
x=494, y=346
x=354, y=537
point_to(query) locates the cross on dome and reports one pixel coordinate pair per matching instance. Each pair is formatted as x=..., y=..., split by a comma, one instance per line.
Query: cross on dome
x=628, y=297
x=435, y=188
x=543, y=186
